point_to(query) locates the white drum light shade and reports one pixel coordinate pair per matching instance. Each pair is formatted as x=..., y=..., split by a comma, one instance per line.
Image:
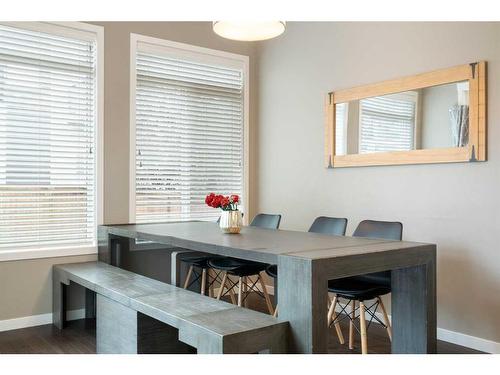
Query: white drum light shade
x=249, y=30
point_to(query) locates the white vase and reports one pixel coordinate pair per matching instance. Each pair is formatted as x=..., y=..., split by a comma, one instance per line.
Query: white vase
x=231, y=221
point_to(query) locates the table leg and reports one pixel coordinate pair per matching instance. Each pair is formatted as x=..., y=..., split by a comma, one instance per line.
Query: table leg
x=90, y=303
x=59, y=295
x=303, y=296
x=111, y=247
x=414, y=309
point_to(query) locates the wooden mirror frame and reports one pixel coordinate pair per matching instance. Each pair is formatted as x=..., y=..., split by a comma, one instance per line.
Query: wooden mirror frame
x=475, y=73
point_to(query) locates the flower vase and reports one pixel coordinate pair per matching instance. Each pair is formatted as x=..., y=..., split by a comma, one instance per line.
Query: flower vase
x=231, y=221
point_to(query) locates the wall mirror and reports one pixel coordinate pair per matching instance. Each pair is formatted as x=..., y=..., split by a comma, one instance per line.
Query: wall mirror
x=434, y=117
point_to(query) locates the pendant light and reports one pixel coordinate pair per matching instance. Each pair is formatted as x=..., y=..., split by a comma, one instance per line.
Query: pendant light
x=249, y=30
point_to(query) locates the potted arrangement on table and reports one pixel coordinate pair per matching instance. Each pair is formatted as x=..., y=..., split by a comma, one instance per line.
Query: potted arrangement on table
x=231, y=218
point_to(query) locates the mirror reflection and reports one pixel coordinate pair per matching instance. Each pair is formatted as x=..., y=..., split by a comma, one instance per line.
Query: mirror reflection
x=432, y=117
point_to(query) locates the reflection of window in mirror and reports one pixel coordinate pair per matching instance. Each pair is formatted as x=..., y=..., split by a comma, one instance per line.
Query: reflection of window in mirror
x=388, y=123
x=341, y=113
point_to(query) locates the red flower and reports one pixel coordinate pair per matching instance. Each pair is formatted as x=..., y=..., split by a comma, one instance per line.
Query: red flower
x=216, y=202
x=209, y=198
x=220, y=201
x=224, y=202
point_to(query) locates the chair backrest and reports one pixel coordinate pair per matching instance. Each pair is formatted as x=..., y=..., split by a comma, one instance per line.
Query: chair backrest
x=388, y=230
x=266, y=221
x=333, y=226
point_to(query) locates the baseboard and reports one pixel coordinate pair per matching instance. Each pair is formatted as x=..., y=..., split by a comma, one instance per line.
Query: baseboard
x=468, y=341
x=37, y=320
x=453, y=337
x=74, y=314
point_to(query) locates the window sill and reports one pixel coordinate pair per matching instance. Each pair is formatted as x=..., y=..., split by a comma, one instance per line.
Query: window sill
x=30, y=253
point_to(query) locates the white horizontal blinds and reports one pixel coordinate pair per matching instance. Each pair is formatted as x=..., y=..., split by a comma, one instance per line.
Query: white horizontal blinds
x=47, y=130
x=189, y=137
x=387, y=123
x=340, y=128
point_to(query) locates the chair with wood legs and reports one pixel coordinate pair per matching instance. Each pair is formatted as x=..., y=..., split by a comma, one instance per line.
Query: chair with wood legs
x=363, y=288
x=245, y=270
x=199, y=271
x=324, y=225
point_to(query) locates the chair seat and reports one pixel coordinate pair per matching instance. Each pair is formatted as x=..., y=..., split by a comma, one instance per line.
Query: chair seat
x=357, y=288
x=272, y=271
x=200, y=261
x=237, y=267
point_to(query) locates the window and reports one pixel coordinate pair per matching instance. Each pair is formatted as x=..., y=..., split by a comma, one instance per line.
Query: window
x=188, y=124
x=387, y=123
x=48, y=132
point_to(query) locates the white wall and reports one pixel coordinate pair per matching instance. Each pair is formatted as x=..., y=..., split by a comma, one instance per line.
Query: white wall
x=454, y=205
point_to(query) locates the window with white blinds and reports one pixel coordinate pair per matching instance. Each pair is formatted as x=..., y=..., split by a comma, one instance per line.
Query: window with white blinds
x=387, y=123
x=47, y=140
x=189, y=127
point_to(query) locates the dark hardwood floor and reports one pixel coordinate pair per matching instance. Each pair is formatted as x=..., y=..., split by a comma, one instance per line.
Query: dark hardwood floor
x=79, y=338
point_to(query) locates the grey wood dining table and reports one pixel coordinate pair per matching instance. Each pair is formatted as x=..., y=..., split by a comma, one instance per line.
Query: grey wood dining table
x=306, y=261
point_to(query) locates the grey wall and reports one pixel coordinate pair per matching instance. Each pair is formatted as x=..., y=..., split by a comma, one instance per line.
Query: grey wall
x=453, y=205
x=25, y=286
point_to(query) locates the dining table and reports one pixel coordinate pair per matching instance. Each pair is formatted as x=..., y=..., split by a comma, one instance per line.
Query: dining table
x=306, y=262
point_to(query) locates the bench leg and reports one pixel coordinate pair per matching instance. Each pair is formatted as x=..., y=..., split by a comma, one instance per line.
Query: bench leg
x=155, y=337
x=116, y=328
x=121, y=330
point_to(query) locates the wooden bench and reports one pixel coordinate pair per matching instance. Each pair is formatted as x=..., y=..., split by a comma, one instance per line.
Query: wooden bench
x=136, y=314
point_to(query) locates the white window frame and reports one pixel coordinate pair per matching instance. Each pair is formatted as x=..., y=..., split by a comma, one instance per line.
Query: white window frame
x=200, y=54
x=87, y=32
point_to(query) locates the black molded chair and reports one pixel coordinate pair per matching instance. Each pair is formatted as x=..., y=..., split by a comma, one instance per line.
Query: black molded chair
x=244, y=269
x=266, y=221
x=333, y=226
x=199, y=268
x=364, y=287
